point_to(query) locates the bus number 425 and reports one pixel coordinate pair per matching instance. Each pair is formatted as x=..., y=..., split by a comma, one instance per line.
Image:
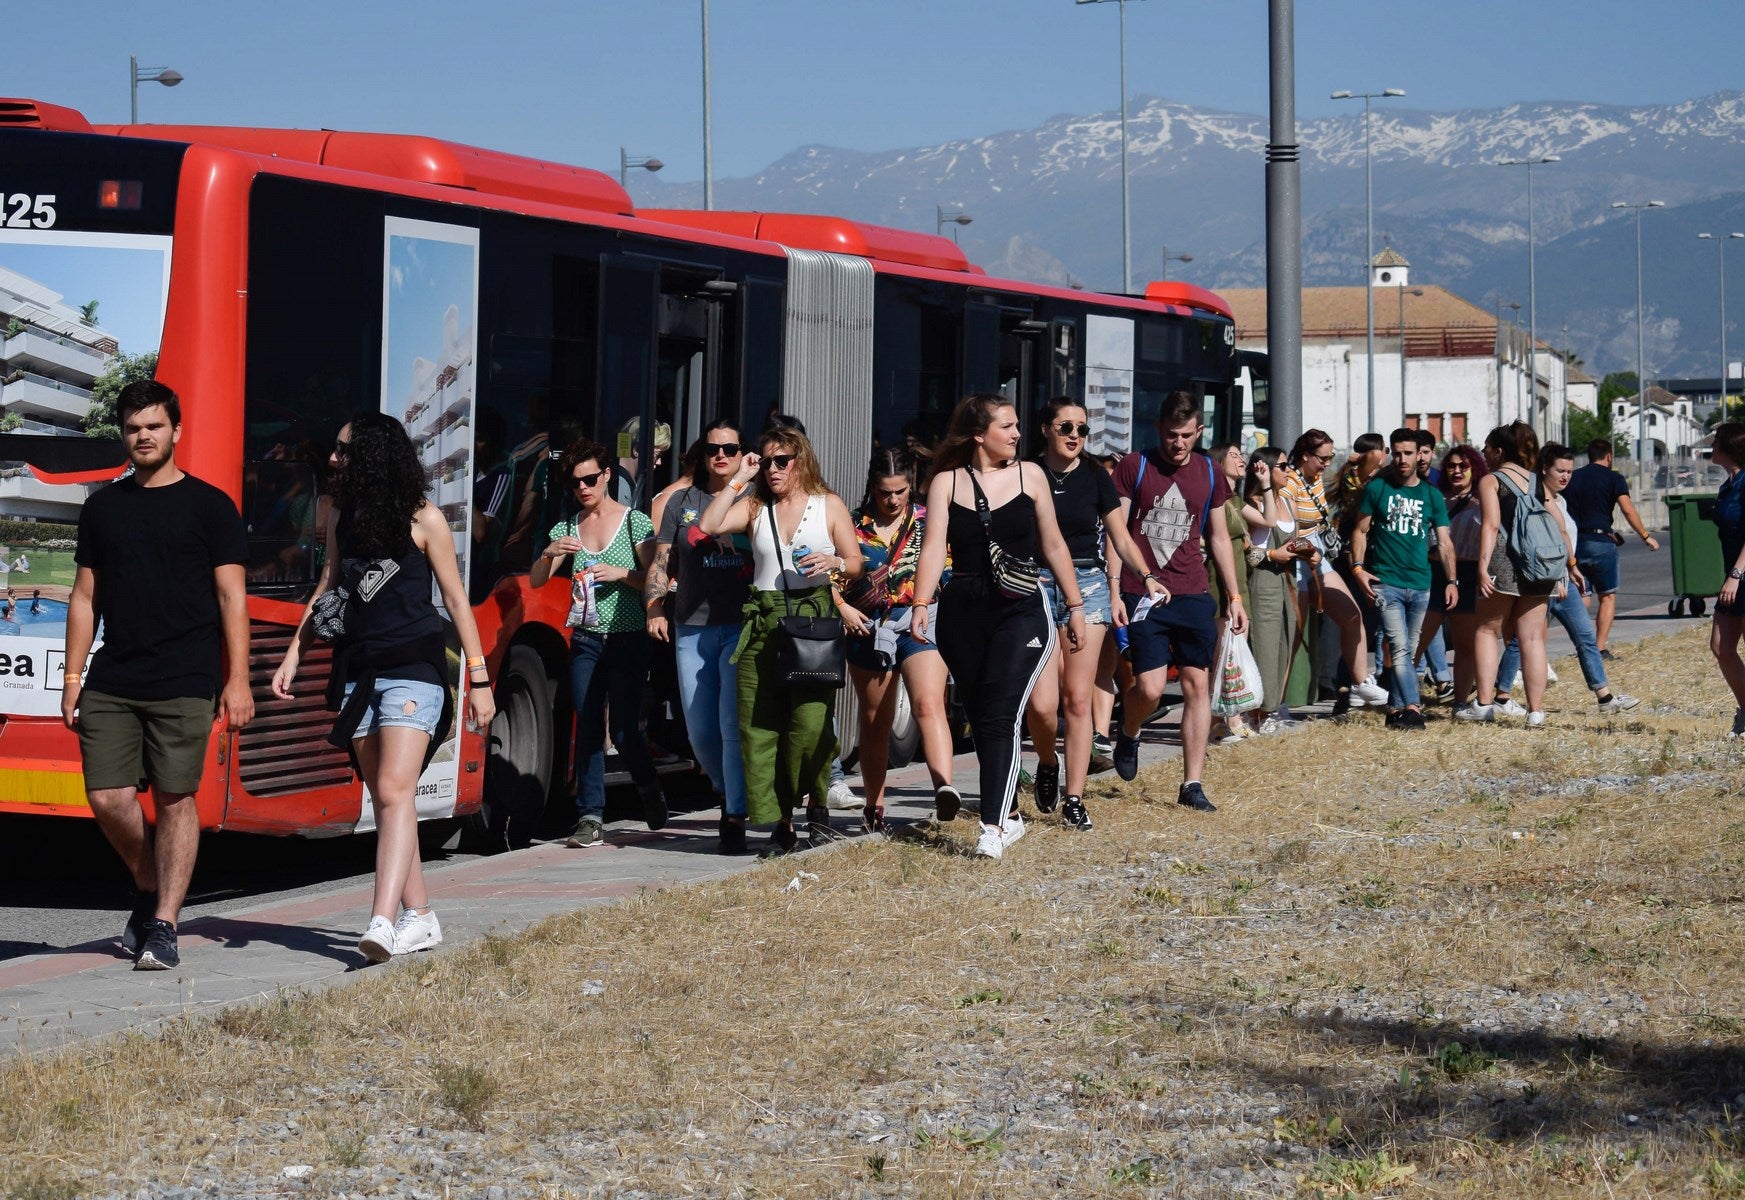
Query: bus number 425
x=20, y=211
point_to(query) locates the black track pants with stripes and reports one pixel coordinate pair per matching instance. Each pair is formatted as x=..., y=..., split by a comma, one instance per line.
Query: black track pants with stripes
x=995, y=648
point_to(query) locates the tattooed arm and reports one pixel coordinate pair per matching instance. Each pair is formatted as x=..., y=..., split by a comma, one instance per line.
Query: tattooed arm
x=654, y=592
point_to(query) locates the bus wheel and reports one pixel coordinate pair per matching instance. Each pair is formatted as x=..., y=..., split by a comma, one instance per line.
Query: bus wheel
x=905, y=730
x=518, y=766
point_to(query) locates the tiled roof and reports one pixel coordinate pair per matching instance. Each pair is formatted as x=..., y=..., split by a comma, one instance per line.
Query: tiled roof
x=1389, y=257
x=1338, y=312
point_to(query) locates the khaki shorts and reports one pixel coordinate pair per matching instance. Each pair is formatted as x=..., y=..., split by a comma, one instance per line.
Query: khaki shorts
x=133, y=743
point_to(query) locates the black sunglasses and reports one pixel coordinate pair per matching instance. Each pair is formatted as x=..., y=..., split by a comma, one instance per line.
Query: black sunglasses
x=724, y=449
x=1067, y=429
x=586, y=481
x=779, y=461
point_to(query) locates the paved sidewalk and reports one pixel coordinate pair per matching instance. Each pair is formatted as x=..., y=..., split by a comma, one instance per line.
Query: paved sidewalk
x=87, y=991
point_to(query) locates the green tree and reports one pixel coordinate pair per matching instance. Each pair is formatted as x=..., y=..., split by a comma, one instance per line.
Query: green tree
x=1584, y=427
x=88, y=312
x=123, y=369
x=1619, y=385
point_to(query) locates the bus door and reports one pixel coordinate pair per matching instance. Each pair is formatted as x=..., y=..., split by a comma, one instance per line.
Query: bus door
x=1000, y=352
x=688, y=358
x=629, y=316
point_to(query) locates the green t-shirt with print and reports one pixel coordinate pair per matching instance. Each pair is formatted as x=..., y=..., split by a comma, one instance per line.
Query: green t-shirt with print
x=617, y=606
x=1402, y=527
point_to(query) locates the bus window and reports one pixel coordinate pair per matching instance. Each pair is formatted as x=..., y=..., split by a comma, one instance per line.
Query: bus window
x=629, y=300
x=916, y=333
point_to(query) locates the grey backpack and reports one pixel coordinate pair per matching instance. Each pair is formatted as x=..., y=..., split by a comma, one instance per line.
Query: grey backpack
x=1536, y=537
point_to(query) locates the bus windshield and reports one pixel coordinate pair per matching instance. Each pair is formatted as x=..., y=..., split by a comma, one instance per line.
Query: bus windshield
x=81, y=315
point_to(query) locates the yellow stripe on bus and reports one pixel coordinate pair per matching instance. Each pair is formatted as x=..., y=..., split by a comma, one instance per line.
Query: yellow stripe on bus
x=52, y=789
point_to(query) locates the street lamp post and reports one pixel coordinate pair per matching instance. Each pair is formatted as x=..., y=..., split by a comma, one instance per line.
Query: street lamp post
x=1403, y=291
x=1502, y=304
x=1169, y=258
x=708, y=122
x=1532, y=308
x=1641, y=357
x=168, y=76
x=628, y=162
x=1721, y=240
x=941, y=219
x=1126, y=220
x=1369, y=235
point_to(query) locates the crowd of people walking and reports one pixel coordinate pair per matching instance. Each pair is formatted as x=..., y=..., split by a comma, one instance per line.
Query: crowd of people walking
x=1057, y=593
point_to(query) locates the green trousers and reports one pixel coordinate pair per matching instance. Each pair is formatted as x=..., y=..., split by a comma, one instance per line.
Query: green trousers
x=787, y=733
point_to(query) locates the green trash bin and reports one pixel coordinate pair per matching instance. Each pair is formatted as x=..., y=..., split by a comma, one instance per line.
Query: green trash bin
x=1697, y=570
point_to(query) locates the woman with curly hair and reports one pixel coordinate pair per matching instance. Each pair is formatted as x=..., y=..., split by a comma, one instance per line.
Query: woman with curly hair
x=609, y=651
x=1462, y=468
x=391, y=680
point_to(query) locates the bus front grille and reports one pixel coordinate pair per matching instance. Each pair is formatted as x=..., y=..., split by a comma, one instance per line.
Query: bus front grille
x=284, y=749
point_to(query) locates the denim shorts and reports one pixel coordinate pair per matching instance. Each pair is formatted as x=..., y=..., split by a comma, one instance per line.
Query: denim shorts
x=1093, y=590
x=411, y=703
x=1597, y=555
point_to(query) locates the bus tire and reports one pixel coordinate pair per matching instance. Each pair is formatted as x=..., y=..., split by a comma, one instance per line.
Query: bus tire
x=518, y=757
x=905, y=730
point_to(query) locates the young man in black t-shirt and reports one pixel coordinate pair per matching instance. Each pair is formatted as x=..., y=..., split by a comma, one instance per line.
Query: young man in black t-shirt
x=161, y=561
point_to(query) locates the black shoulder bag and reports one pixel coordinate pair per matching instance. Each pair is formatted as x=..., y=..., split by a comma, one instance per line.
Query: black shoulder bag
x=1013, y=577
x=809, y=650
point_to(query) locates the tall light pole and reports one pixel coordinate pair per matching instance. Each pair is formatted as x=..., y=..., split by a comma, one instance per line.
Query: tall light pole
x=1502, y=304
x=1641, y=357
x=1284, y=224
x=1126, y=220
x=708, y=122
x=168, y=76
x=1369, y=235
x=1403, y=291
x=1532, y=309
x=1564, y=351
x=1169, y=258
x=1721, y=240
x=627, y=162
x=941, y=219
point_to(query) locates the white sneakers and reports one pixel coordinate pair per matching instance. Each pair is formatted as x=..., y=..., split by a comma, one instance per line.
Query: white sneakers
x=1535, y=720
x=992, y=842
x=377, y=943
x=1510, y=708
x=841, y=797
x=1618, y=703
x=414, y=931
x=1369, y=691
x=1014, y=829
x=1476, y=712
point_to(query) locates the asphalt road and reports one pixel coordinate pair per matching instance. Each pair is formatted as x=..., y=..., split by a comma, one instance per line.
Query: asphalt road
x=61, y=885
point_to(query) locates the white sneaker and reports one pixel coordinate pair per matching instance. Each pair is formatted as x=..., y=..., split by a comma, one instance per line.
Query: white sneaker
x=1550, y=673
x=1535, y=720
x=991, y=843
x=1013, y=830
x=416, y=931
x=1619, y=703
x=1510, y=708
x=1476, y=712
x=1369, y=691
x=377, y=943
x=842, y=797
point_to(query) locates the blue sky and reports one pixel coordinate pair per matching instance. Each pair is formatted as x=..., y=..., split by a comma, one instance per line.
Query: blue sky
x=574, y=80
x=427, y=277
x=128, y=283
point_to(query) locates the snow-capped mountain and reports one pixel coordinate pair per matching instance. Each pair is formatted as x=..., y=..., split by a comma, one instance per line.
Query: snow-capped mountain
x=1046, y=204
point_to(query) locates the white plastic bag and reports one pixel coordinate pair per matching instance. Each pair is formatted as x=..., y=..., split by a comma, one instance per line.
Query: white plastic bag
x=1239, y=684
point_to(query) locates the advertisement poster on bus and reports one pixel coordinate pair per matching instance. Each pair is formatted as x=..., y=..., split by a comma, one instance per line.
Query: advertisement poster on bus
x=1109, y=383
x=81, y=314
x=430, y=297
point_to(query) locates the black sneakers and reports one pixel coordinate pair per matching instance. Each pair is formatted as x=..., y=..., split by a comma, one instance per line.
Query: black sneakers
x=782, y=840
x=1047, y=786
x=1126, y=754
x=1074, y=814
x=732, y=837
x=818, y=825
x=654, y=807
x=158, y=952
x=1193, y=796
x=145, y=908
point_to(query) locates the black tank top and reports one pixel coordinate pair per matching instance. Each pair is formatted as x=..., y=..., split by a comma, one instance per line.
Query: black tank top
x=392, y=606
x=1012, y=524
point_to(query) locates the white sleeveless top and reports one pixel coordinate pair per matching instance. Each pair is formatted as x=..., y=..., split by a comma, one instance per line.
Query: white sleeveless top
x=770, y=561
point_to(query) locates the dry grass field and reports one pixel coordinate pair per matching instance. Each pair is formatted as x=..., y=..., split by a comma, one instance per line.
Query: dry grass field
x=1472, y=962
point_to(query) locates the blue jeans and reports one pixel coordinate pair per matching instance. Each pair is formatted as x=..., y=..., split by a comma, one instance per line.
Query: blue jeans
x=1571, y=613
x=709, y=696
x=607, y=674
x=1402, y=619
x=1436, y=657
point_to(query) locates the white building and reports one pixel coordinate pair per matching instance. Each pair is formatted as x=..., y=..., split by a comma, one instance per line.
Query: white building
x=1671, y=429
x=1442, y=363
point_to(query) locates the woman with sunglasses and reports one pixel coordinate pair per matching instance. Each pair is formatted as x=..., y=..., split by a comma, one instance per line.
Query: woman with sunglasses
x=1462, y=468
x=1085, y=505
x=609, y=653
x=877, y=610
x=391, y=681
x=1304, y=493
x=1228, y=458
x=802, y=541
x=706, y=580
x=995, y=634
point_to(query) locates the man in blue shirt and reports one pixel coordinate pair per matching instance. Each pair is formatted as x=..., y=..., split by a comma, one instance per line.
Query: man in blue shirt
x=1592, y=494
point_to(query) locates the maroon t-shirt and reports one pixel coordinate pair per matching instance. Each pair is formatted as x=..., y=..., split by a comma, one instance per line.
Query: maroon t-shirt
x=1168, y=517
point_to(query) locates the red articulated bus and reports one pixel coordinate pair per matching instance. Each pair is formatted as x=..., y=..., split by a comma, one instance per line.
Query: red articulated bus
x=280, y=280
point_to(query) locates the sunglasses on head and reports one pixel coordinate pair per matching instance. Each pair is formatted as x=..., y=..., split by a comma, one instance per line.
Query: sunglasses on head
x=722, y=449
x=779, y=462
x=586, y=481
x=1067, y=429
